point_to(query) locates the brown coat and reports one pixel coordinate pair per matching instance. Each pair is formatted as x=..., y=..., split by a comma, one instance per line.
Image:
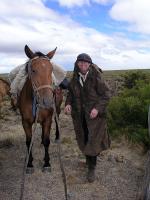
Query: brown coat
x=94, y=94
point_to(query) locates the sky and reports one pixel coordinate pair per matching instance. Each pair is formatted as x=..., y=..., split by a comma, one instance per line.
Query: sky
x=115, y=33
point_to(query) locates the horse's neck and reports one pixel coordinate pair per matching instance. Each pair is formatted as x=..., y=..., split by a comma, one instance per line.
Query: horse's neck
x=27, y=90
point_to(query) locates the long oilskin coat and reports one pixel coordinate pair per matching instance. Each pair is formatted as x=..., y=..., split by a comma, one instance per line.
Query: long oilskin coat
x=94, y=94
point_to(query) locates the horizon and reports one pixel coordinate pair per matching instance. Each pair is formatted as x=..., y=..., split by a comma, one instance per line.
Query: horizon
x=123, y=70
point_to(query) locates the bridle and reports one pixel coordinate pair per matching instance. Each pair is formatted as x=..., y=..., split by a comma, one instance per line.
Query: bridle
x=35, y=88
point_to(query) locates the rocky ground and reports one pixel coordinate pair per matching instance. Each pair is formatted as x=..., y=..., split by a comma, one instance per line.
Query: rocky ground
x=118, y=173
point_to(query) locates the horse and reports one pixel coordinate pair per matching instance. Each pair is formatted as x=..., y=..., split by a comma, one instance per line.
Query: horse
x=38, y=89
x=4, y=89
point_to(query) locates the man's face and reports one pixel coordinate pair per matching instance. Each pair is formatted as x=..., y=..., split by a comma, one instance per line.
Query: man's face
x=83, y=66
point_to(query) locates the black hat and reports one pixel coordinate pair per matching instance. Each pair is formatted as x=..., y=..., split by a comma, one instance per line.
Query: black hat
x=84, y=57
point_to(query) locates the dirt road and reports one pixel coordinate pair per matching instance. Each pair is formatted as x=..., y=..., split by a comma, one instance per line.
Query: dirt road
x=119, y=170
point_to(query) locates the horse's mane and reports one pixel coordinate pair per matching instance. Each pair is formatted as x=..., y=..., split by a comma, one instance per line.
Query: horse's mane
x=40, y=54
x=5, y=81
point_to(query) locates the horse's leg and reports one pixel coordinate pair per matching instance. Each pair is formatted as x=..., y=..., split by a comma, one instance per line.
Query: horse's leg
x=46, y=141
x=42, y=136
x=57, y=136
x=58, y=102
x=28, y=130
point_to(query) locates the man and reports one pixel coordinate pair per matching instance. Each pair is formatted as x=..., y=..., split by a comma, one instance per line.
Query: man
x=19, y=75
x=87, y=99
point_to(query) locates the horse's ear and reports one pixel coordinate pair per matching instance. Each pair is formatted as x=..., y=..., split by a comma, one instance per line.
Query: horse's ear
x=51, y=53
x=28, y=52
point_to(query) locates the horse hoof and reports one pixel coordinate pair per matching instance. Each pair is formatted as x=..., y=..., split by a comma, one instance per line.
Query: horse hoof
x=46, y=169
x=29, y=170
x=57, y=141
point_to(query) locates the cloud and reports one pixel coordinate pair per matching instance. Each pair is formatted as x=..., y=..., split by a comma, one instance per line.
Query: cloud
x=73, y=3
x=103, y=2
x=135, y=12
x=43, y=29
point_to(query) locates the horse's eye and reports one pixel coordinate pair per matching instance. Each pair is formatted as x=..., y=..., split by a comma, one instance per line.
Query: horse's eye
x=33, y=71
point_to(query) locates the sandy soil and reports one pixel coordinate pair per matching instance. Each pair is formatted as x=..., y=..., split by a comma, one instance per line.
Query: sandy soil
x=118, y=173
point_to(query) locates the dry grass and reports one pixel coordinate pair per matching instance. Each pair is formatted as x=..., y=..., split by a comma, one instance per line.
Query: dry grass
x=117, y=178
x=67, y=140
x=7, y=143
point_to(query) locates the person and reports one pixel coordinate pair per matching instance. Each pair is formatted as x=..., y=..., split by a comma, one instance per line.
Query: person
x=18, y=76
x=87, y=99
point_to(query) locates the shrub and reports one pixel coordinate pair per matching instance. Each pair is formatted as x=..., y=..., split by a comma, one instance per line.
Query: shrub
x=131, y=78
x=127, y=113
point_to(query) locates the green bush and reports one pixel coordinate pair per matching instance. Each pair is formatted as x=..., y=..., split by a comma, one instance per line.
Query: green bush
x=127, y=113
x=131, y=78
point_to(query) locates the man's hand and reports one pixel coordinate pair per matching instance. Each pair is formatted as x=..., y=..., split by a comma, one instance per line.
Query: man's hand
x=94, y=113
x=67, y=109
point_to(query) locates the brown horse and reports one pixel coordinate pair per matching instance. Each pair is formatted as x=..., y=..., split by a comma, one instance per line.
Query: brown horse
x=4, y=89
x=38, y=92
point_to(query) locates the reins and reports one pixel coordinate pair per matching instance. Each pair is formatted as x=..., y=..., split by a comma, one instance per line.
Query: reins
x=27, y=155
x=59, y=155
x=38, y=106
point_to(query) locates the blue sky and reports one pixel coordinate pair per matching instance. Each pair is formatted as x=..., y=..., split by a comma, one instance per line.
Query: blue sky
x=115, y=33
x=94, y=16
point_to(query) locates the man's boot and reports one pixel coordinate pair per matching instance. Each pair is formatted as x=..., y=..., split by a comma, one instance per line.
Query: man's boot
x=91, y=162
x=91, y=175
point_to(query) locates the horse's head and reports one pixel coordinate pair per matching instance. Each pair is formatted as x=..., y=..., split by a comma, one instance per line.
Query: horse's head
x=39, y=70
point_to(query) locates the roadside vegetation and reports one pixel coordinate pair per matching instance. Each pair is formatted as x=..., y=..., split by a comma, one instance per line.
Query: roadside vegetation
x=128, y=111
